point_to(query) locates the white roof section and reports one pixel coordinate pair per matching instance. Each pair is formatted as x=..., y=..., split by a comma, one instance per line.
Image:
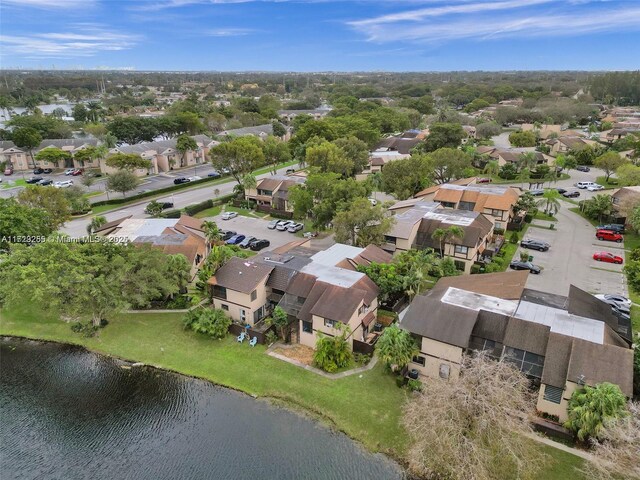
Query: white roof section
x=482, y=188
x=139, y=227
x=332, y=275
x=562, y=322
x=477, y=301
x=463, y=218
x=335, y=254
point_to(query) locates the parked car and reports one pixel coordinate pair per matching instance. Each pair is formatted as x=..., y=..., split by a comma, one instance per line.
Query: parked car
x=229, y=215
x=246, y=242
x=38, y=171
x=235, y=240
x=595, y=187
x=310, y=234
x=226, y=234
x=8, y=171
x=180, y=180
x=44, y=182
x=373, y=201
x=614, y=227
x=518, y=265
x=63, y=184
x=69, y=171
x=621, y=315
x=295, y=227
x=561, y=190
x=584, y=184
x=290, y=170
x=609, y=235
x=166, y=205
x=33, y=180
x=214, y=174
x=483, y=180
x=283, y=225
x=76, y=172
x=272, y=224
x=607, y=257
x=194, y=178
x=535, y=245
x=617, y=300
x=47, y=170
x=536, y=193
x=583, y=168
x=258, y=245
x=571, y=194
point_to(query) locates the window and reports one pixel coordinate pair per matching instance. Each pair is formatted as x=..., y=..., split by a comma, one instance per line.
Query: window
x=243, y=315
x=498, y=225
x=254, y=295
x=224, y=306
x=466, y=206
x=459, y=265
x=301, y=300
x=391, y=240
x=419, y=360
x=461, y=249
x=219, y=292
x=448, y=204
x=363, y=309
x=329, y=323
x=496, y=213
x=482, y=344
x=445, y=370
x=307, y=327
x=528, y=363
x=552, y=394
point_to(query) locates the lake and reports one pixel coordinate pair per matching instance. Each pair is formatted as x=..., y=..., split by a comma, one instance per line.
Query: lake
x=67, y=413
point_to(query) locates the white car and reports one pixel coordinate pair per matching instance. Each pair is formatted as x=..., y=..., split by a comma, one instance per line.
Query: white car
x=373, y=201
x=595, y=187
x=69, y=171
x=584, y=184
x=272, y=224
x=194, y=178
x=615, y=300
x=283, y=225
x=63, y=184
x=295, y=227
x=229, y=215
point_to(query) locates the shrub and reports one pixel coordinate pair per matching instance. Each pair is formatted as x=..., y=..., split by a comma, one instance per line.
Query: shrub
x=400, y=381
x=198, y=207
x=86, y=329
x=590, y=408
x=414, y=385
x=498, y=231
x=172, y=214
x=332, y=353
x=361, y=359
x=210, y=321
x=271, y=337
x=475, y=269
x=514, y=238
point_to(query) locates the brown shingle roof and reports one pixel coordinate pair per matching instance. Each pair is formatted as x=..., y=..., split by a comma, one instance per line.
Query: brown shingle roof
x=491, y=326
x=301, y=285
x=506, y=285
x=269, y=184
x=290, y=246
x=241, y=275
x=337, y=303
x=190, y=222
x=528, y=336
x=556, y=360
x=111, y=225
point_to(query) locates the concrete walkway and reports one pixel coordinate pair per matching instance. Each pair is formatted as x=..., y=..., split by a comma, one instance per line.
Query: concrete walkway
x=561, y=446
x=317, y=371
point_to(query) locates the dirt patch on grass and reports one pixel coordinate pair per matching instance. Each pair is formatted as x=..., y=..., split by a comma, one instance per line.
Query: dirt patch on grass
x=300, y=353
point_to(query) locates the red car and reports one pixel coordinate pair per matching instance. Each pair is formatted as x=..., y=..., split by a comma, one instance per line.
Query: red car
x=76, y=172
x=483, y=180
x=609, y=235
x=607, y=257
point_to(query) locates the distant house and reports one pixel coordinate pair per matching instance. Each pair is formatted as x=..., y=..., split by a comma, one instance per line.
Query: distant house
x=260, y=131
x=544, y=131
x=184, y=235
x=567, y=144
x=560, y=343
x=623, y=200
x=272, y=193
x=514, y=157
x=20, y=159
x=316, y=114
x=415, y=227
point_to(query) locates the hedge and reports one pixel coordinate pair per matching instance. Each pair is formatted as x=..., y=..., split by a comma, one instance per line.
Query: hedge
x=198, y=207
x=172, y=188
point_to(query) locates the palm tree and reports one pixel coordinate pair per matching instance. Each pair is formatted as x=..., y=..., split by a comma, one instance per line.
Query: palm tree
x=414, y=281
x=396, y=347
x=439, y=234
x=590, y=408
x=527, y=160
x=550, y=201
x=249, y=182
x=94, y=111
x=449, y=234
x=492, y=168
x=96, y=223
x=212, y=232
x=455, y=233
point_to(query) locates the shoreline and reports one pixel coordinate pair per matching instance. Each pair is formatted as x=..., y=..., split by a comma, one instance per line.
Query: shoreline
x=274, y=400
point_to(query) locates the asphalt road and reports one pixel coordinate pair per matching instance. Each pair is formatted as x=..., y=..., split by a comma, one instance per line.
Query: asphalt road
x=181, y=199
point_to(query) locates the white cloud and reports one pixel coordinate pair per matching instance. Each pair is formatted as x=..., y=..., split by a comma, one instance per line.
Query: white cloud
x=509, y=18
x=230, y=32
x=82, y=40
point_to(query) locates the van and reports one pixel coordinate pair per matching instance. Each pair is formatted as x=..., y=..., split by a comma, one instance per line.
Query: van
x=585, y=184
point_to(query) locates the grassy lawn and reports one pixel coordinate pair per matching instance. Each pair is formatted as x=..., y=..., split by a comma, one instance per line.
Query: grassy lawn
x=364, y=406
x=209, y=212
x=244, y=212
x=14, y=183
x=510, y=249
x=544, y=216
x=612, y=183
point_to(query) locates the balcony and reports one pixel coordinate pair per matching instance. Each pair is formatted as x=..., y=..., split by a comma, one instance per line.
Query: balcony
x=291, y=304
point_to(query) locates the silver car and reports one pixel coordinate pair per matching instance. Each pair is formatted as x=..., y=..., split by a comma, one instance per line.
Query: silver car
x=272, y=224
x=283, y=225
x=295, y=227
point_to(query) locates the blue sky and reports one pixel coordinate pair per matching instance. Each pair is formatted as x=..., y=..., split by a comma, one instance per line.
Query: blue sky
x=321, y=35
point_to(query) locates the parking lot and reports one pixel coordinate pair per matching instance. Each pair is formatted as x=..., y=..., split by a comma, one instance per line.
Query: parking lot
x=255, y=227
x=570, y=258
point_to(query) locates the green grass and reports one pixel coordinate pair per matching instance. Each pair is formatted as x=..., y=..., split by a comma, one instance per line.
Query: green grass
x=631, y=242
x=509, y=248
x=367, y=406
x=612, y=183
x=209, y=212
x=244, y=212
x=579, y=212
x=16, y=183
x=543, y=216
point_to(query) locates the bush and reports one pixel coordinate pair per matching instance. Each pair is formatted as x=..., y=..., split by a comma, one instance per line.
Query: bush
x=271, y=337
x=475, y=269
x=400, y=381
x=210, y=321
x=414, y=385
x=498, y=231
x=86, y=329
x=514, y=238
x=178, y=303
x=361, y=359
x=198, y=207
x=528, y=218
x=172, y=214
x=332, y=353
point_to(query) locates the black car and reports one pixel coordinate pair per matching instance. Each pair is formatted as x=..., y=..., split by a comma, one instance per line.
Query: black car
x=47, y=170
x=518, y=265
x=582, y=168
x=573, y=194
x=33, y=180
x=214, y=174
x=45, y=182
x=38, y=171
x=180, y=180
x=535, y=245
x=257, y=245
x=166, y=205
x=536, y=193
x=614, y=227
x=227, y=234
x=561, y=190
x=290, y=170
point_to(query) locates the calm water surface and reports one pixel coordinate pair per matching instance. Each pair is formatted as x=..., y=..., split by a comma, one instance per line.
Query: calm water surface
x=70, y=414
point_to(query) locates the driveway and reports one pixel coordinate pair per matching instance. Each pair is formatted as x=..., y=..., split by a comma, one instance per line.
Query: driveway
x=570, y=259
x=256, y=227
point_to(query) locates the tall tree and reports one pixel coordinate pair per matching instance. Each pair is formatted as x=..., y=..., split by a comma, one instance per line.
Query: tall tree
x=362, y=223
x=396, y=347
x=275, y=153
x=52, y=155
x=328, y=157
x=28, y=138
x=127, y=161
x=19, y=220
x=443, y=135
x=405, y=177
x=240, y=156
x=51, y=200
x=212, y=232
x=448, y=164
x=550, y=201
x=356, y=151
x=609, y=162
x=184, y=144
x=122, y=181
